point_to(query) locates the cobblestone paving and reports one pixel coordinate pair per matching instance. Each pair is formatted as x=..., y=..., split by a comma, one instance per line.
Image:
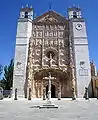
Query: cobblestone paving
x=68, y=110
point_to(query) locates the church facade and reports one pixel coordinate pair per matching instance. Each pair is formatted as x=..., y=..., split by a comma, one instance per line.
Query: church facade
x=55, y=45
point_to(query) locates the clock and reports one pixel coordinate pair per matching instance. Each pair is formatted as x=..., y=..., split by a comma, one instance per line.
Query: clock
x=79, y=26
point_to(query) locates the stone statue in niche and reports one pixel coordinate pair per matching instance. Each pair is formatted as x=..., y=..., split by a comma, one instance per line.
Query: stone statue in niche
x=50, y=34
x=55, y=42
x=34, y=34
x=51, y=42
x=51, y=58
x=45, y=34
x=46, y=42
x=61, y=43
x=39, y=34
x=54, y=33
x=38, y=42
x=60, y=34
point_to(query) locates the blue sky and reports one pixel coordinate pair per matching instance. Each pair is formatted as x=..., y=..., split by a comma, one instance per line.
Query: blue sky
x=9, y=12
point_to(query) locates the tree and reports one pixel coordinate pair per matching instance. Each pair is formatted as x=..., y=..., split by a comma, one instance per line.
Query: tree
x=1, y=69
x=3, y=84
x=8, y=76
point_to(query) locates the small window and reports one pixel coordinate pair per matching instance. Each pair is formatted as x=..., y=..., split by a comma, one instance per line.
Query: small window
x=75, y=14
x=26, y=14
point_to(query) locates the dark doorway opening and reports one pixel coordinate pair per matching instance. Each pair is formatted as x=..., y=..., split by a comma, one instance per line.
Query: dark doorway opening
x=52, y=91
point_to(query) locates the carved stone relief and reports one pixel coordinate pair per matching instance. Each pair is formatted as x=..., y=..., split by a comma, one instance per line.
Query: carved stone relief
x=48, y=36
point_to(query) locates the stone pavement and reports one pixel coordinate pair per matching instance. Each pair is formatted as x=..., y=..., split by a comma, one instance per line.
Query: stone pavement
x=68, y=110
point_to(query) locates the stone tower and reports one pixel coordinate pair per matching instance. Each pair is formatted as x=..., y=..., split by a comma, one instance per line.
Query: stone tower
x=24, y=29
x=93, y=69
x=78, y=36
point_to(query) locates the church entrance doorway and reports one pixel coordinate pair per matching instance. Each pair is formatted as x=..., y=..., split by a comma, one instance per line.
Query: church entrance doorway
x=52, y=91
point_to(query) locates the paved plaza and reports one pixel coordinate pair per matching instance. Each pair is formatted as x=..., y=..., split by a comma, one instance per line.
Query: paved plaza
x=68, y=110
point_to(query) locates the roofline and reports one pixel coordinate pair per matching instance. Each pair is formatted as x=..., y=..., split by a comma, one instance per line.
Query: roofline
x=39, y=17
x=74, y=8
x=26, y=9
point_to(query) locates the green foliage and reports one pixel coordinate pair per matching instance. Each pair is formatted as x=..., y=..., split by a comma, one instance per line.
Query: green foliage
x=3, y=84
x=1, y=69
x=7, y=81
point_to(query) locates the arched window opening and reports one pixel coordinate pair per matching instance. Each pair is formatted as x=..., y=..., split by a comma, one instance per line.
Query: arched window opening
x=26, y=14
x=74, y=14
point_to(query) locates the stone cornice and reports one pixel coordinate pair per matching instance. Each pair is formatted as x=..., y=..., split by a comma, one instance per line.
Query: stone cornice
x=50, y=17
x=77, y=20
x=25, y=20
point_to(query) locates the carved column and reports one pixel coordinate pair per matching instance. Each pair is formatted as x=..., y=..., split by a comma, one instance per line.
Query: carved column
x=73, y=84
x=59, y=91
x=42, y=51
x=29, y=71
x=33, y=86
x=58, y=52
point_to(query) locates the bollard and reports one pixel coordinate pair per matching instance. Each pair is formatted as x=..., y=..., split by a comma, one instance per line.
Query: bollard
x=59, y=95
x=15, y=94
x=59, y=92
x=86, y=94
x=29, y=98
x=73, y=94
x=44, y=94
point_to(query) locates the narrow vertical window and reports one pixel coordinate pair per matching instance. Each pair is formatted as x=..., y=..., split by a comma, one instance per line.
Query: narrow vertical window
x=75, y=14
x=26, y=14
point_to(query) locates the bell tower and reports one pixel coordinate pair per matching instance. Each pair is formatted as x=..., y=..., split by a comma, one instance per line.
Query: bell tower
x=78, y=36
x=26, y=12
x=74, y=12
x=24, y=29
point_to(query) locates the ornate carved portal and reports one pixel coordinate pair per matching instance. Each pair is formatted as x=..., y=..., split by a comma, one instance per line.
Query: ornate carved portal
x=60, y=84
x=50, y=50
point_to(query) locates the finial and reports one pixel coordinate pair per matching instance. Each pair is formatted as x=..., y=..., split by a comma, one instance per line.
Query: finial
x=92, y=61
x=27, y=5
x=50, y=6
x=69, y=6
x=74, y=5
x=31, y=6
x=22, y=7
x=35, y=15
x=78, y=6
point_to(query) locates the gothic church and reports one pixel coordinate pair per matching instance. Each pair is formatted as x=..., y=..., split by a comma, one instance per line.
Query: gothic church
x=51, y=44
